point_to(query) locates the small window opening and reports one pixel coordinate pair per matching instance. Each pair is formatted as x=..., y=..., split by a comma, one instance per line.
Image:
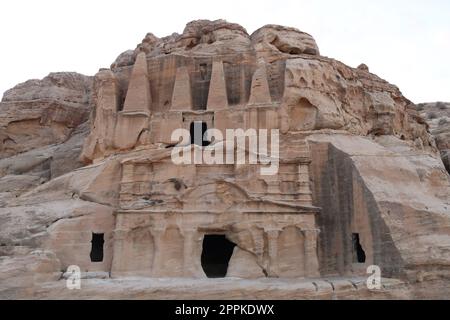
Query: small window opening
x=198, y=130
x=97, y=247
x=359, y=255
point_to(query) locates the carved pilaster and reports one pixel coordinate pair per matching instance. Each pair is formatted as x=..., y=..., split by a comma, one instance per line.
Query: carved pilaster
x=311, y=261
x=272, y=237
x=304, y=184
x=192, y=253
x=158, y=263
x=117, y=265
x=258, y=240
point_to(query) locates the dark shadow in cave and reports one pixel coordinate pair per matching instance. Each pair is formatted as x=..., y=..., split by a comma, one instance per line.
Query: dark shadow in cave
x=216, y=254
x=358, y=251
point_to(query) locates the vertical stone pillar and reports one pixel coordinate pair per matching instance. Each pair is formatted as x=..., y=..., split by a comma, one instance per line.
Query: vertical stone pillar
x=138, y=97
x=217, y=95
x=304, y=184
x=258, y=240
x=118, y=267
x=311, y=261
x=260, y=93
x=181, y=96
x=106, y=106
x=272, y=236
x=158, y=263
x=133, y=120
x=192, y=254
x=243, y=86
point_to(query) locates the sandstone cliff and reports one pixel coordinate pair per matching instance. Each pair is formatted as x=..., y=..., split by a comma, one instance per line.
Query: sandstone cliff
x=43, y=124
x=375, y=168
x=437, y=116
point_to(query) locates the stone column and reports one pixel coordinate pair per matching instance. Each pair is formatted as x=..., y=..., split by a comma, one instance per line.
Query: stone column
x=191, y=253
x=117, y=265
x=181, y=96
x=304, y=184
x=217, y=95
x=272, y=236
x=158, y=263
x=311, y=261
x=258, y=240
x=260, y=93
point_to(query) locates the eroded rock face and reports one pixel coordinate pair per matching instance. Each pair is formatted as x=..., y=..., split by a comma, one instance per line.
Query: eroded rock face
x=37, y=113
x=437, y=116
x=359, y=181
x=43, y=124
x=394, y=197
x=275, y=38
x=213, y=65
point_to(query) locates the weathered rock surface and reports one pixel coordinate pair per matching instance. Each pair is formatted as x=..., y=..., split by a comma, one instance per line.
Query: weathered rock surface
x=278, y=39
x=437, y=116
x=276, y=65
x=20, y=273
x=229, y=288
x=359, y=183
x=37, y=113
x=43, y=124
x=396, y=198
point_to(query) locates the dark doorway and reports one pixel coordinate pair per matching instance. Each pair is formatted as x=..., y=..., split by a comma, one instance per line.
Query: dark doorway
x=197, y=130
x=359, y=255
x=216, y=255
x=97, y=247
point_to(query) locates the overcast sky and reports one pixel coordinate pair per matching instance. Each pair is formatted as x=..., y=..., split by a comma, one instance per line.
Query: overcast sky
x=406, y=42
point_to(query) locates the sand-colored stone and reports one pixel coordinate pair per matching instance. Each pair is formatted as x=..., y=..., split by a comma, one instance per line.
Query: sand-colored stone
x=217, y=96
x=138, y=94
x=182, y=97
x=437, y=116
x=355, y=158
x=39, y=113
x=260, y=93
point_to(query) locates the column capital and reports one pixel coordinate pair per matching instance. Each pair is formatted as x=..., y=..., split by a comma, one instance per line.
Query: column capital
x=157, y=230
x=185, y=232
x=272, y=231
x=310, y=231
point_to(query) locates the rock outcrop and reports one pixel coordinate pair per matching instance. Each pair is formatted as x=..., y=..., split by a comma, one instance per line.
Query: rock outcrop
x=394, y=196
x=437, y=116
x=43, y=112
x=359, y=181
x=321, y=92
x=43, y=124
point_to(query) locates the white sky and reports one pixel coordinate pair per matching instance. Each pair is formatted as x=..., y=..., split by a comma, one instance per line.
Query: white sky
x=406, y=42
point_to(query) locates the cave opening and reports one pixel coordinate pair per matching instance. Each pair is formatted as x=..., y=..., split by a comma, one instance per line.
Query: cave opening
x=98, y=239
x=216, y=254
x=359, y=255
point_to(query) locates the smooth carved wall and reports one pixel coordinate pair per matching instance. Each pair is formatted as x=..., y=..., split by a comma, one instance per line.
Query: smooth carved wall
x=348, y=208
